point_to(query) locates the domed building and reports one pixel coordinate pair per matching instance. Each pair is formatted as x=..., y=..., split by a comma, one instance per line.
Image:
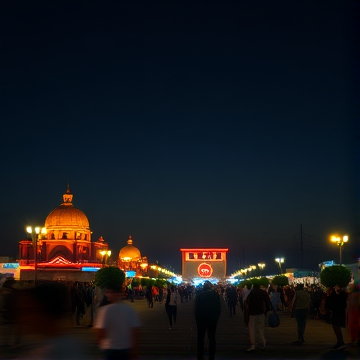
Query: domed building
x=65, y=240
x=130, y=259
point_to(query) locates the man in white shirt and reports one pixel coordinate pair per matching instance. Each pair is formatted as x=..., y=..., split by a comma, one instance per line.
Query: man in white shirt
x=116, y=327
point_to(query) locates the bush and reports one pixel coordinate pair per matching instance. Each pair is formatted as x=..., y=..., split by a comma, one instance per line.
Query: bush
x=160, y=283
x=264, y=282
x=110, y=278
x=244, y=283
x=135, y=282
x=335, y=275
x=147, y=282
x=261, y=281
x=280, y=280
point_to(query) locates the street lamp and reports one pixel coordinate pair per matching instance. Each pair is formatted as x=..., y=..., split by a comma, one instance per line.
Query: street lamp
x=143, y=266
x=340, y=242
x=261, y=266
x=108, y=253
x=103, y=253
x=280, y=261
x=34, y=232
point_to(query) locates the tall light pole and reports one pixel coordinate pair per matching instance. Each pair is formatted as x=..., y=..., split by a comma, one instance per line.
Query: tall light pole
x=34, y=232
x=340, y=242
x=261, y=266
x=280, y=261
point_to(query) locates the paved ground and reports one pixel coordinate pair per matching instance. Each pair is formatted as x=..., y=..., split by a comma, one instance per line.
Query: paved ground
x=157, y=342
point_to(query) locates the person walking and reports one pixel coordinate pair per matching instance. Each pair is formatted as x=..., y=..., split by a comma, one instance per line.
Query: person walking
x=245, y=308
x=117, y=325
x=353, y=312
x=149, y=295
x=299, y=310
x=231, y=299
x=207, y=309
x=245, y=292
x=171, y=302
x=155, y=293
x=275, y=298
x=258, y=303
x=337, y=302
x=161, y=294
x=282, y=298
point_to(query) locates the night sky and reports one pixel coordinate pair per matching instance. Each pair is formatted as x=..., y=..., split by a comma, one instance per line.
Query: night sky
x=185, y=124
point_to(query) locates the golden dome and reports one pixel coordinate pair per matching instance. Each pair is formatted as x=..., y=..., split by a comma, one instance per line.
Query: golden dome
x=129, y=252
x=67, y=216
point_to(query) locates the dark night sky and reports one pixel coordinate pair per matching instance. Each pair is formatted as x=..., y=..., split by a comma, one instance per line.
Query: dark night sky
x=185, y=124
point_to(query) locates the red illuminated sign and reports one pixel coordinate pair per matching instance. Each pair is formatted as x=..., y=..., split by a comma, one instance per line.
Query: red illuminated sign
x=205, y=270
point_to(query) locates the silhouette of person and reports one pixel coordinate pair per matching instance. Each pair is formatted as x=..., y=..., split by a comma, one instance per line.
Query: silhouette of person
x=149, y=295
x=171, y=302
x=231, y=299
x=207, y=309
x=258, y=303
x=337, y=303
x=300, y=309
x=353, y=311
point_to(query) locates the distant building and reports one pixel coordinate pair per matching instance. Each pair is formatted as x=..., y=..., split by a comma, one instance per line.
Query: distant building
x=64, y=243
x=131, y=261
x=204, y=263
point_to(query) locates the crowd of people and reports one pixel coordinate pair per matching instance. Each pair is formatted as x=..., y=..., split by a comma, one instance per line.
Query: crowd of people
x=337, y=306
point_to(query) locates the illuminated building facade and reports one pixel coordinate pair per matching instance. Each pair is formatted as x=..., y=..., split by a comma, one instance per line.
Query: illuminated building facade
x=64, y=242
x=206, y=263
x=131, y=261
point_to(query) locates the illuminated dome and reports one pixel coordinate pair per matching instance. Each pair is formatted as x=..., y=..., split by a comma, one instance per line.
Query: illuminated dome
x=65, y=241
x=67, y=216
x=129, y=252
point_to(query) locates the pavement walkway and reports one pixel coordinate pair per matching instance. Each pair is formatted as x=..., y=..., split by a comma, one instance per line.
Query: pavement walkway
x=157, y=342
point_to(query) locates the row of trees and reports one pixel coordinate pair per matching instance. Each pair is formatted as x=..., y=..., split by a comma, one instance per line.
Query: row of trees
x=113, y=278
x=329, y=277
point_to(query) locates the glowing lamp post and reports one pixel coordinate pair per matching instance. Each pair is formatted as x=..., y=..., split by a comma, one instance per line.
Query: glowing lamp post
x=340, y=242
x=108, y=253
x=280, y=261
x=104, y=253
x=34, y=232
x=144, y=266
x=261, y=266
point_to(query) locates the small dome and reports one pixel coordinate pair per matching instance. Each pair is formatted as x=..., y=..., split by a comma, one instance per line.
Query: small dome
x=129, y=252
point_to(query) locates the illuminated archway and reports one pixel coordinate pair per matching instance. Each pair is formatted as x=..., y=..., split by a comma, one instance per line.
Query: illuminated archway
x=62, y=251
